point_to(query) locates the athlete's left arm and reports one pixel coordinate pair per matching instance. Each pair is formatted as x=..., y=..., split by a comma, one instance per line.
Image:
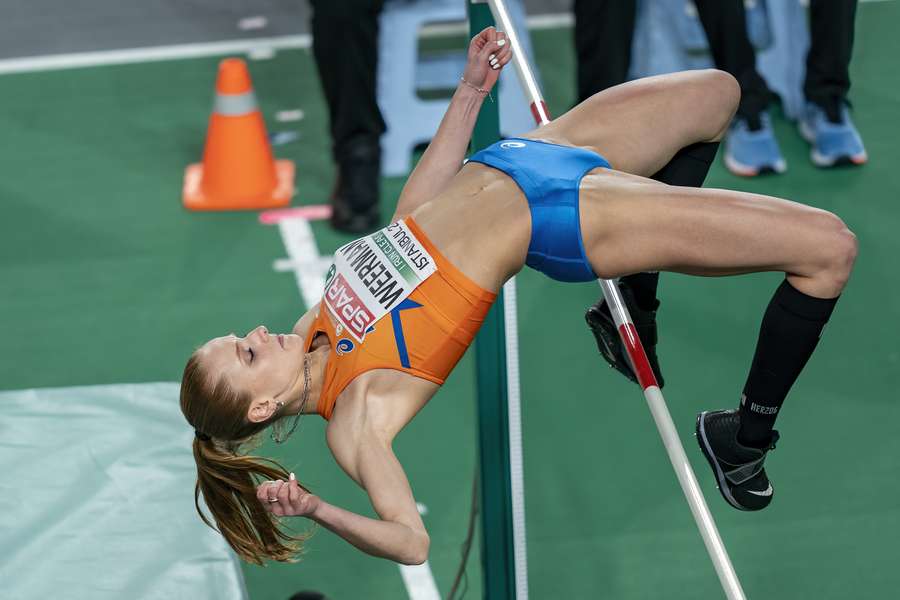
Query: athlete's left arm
x=444, y=155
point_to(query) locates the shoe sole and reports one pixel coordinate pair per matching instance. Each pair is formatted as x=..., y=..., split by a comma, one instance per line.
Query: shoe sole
x=822, y=161
x=609, y=345
x=743, y=170
x=706, y=449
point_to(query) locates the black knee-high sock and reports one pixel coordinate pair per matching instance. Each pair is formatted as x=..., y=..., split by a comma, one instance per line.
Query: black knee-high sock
x=688, y=167
x=788, y=335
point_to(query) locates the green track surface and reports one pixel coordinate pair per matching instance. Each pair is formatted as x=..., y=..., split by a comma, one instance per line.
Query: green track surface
x=106, y=279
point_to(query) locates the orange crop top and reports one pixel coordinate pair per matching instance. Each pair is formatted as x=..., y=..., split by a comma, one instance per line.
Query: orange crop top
x=425, y=334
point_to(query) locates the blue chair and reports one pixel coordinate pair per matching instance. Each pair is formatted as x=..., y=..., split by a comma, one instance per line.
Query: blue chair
x=402, y=72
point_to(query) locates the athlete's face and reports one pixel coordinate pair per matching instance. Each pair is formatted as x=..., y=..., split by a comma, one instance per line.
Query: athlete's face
x=261, y=364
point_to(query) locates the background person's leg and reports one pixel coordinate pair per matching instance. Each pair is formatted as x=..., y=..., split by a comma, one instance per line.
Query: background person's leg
x=751, y=147
x=831, y=24
x=725, y=24
x=345, y=48
x=604, y=30
x=825, y=122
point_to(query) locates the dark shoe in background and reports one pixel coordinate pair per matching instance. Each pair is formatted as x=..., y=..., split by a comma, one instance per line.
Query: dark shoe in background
x=308, y=595
x=354, y=201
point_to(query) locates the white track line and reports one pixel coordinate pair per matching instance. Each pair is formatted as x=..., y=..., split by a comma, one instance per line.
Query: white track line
x=304, y=260
x=150, y=54
x=77, y=60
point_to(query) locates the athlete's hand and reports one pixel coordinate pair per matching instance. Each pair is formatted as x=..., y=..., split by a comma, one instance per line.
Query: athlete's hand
x=291, y=499
x=489, y=51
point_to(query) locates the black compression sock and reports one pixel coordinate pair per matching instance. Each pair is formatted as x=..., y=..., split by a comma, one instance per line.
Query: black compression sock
x=644, y=287
x=689, y=166
x=788, y=335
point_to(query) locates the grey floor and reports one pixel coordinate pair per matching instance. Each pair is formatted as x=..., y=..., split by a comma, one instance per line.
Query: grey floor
x=42, y=27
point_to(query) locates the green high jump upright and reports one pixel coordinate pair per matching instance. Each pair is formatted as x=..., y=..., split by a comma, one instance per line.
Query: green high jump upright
x=502, y=501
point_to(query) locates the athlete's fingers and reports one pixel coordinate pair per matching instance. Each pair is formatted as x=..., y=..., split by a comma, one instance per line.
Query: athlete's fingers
x=500, y=51
x=266, y=491
x=261, y=491
x=294, y=493
x=482, y=39
x=272, y=496
x=283, y=495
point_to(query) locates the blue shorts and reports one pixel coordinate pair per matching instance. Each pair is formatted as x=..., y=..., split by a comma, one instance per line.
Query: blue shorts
x=549, y=176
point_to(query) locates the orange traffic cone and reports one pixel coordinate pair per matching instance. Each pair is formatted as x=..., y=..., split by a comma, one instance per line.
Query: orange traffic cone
x=238, y=171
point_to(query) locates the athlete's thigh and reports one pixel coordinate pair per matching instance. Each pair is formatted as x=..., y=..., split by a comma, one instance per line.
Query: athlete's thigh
x=631, y=224
x=638, y=126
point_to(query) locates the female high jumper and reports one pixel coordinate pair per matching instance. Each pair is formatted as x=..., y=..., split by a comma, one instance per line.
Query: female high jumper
x=574, y=200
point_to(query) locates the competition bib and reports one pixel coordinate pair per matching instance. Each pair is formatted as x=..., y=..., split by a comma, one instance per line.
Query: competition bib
x=372, y=275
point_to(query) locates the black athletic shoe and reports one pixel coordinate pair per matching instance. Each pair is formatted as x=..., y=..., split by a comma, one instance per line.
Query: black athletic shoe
x=738, y=469
x=344, y=219
x=609, y=343
x=354, y=200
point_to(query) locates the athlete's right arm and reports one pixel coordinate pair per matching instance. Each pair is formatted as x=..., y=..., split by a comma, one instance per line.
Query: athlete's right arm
x=398, y=534
x=362, y=447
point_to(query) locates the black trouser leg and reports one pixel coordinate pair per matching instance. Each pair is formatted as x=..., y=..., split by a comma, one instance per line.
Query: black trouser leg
x=831, y=24
x=604, y=30
x=725, y=23
x=345, y=48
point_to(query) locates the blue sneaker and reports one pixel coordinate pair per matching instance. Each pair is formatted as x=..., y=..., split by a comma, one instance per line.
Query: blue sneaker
x=751, y=148
x=834, y=141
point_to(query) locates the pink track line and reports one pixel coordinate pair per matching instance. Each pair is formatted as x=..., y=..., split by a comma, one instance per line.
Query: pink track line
x=313, y=212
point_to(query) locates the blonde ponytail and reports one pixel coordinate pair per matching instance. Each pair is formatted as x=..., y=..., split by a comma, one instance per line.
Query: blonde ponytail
x=226, y=477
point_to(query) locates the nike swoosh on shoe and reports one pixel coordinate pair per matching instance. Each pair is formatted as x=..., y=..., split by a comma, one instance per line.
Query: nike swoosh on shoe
x=766, y=492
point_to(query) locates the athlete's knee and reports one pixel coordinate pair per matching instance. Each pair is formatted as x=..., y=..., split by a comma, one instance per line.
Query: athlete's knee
x=847, y=247
x=837, y=249
x=726, y=87
x=713, y=98
x=726, y=91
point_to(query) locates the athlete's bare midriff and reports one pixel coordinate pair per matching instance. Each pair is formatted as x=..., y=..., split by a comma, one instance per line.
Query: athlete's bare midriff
x=480, y=223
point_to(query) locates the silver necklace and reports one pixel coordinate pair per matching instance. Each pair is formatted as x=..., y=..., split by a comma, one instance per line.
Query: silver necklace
x=278, y=436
